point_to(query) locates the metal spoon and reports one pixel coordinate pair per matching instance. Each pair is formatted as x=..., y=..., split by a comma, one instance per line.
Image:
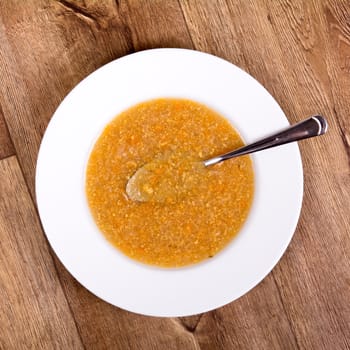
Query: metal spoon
x=311, y=127
x=314, y=126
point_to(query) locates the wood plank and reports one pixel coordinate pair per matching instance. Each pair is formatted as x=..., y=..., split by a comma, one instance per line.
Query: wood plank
x=323, y=305
x=46, y=49
x=103, y=35
x=33, y=309
x=6, y=146
x=283, y=48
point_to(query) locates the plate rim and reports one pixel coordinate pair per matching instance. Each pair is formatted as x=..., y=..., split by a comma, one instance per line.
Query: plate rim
x=56, y=115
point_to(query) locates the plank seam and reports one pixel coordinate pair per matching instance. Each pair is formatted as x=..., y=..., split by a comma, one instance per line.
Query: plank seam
x=13, y=151
x=187, y=27
x=177, y=322
x=189, y=329
x=126, y=27
x=7, y=157
x=342, y=135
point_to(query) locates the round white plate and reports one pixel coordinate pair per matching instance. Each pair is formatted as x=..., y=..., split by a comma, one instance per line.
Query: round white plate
x=63, y=209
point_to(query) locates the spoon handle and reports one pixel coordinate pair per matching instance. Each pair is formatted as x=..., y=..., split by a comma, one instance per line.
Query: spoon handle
x=311, y=127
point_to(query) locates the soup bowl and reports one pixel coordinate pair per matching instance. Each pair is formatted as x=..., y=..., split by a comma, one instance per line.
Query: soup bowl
x=63, y=208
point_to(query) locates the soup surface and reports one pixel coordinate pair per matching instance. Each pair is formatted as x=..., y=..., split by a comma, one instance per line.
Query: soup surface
x=183, y=212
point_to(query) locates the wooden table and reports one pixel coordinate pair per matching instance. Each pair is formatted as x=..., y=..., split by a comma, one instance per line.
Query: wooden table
x=300, y=51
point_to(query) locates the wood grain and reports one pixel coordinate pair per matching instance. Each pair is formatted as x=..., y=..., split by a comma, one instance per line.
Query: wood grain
x=302, y=83
x=33, y=309
x=155, y=23
x=6, y=147
x=322, y=242
x=56, y=45
x=299, y=50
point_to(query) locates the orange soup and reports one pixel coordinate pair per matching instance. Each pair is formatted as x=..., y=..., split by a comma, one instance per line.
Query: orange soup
x=183, y=212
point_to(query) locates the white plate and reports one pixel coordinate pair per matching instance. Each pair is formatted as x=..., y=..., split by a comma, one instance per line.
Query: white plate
x=70, y=229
